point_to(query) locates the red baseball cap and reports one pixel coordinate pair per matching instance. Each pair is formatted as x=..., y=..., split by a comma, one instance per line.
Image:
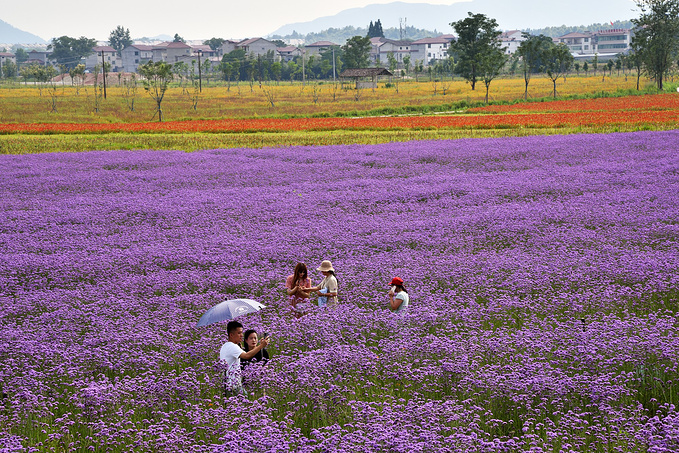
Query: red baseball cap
x=396, y=281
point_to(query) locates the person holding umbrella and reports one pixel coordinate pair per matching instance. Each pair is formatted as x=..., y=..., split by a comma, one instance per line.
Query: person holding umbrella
x=398, y=296
x=231, y=354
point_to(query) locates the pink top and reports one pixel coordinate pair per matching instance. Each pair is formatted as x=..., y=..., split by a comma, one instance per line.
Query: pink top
x=290, y=284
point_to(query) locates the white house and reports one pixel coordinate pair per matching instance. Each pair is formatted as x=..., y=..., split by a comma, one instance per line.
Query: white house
x=109, y=56
x=431, y=50
x=579, y=43
x=511, y=40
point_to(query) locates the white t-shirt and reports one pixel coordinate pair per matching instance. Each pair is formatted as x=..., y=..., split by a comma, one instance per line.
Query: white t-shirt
x=406, y=300
x=230, y=354
x=330, y=282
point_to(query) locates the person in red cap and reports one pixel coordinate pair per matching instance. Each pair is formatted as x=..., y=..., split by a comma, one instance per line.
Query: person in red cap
x=398, y=296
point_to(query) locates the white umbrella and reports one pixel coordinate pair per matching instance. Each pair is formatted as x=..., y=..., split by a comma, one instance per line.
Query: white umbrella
x=229, y=309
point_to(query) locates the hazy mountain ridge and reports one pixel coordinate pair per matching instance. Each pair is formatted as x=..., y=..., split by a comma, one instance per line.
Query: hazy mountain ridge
x=509, y=15
x=12, y=35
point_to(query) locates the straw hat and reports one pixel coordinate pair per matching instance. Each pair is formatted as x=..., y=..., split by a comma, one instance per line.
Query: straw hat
x=326, y=266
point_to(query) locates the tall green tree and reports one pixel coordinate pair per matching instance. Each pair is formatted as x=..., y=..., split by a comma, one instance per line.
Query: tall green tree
x=656, y=37
x=157, y=77
x=21, y=55
x=356, y=52
x=635, y=62
x=492, y=62
x=68, y=51
x=120, y=38
x=478, y=35
x=214, y=43
x=558, y=60
x=375, y=30
x=178, y=38
x=9, y=69
x=531, y=51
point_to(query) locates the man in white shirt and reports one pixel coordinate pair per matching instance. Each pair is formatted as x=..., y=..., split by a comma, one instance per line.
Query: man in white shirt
x=231, y=353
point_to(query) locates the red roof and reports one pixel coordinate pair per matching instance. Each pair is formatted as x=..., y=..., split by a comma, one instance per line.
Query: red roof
x=6, y=54
x=103, y=49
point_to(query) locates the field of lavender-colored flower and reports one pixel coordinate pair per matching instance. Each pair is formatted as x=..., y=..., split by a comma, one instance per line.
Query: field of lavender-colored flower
x=543, y=275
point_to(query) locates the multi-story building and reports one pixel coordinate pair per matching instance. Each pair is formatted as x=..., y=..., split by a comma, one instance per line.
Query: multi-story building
x=38, y=57
x=289, y=53
x=578, y=43
x=605, y=43
x=206, y=51
x=109, y=56
x=134, y=55
x=318, y=48
x=253, y=47
x=5, y=57
x=257, y=47
x=382, y=47
x=430, y=50
x=511, y=40
x=613, y=41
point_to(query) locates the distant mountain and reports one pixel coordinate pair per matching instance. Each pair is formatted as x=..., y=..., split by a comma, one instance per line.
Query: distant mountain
x=517, y=14
x=12, y=35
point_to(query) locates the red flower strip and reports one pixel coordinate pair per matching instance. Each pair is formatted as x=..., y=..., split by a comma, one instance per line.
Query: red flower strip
x=597, y=118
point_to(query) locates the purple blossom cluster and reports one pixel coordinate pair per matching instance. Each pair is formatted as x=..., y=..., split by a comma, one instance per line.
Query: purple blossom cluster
x=543, y=275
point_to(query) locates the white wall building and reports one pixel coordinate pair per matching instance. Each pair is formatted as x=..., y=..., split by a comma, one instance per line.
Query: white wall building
x=511, y=40
x=431, y=50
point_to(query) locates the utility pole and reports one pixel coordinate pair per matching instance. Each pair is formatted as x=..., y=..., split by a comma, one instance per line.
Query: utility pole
x=103, y=71
x=303, y=76
x=200, y=78
x=333, y=66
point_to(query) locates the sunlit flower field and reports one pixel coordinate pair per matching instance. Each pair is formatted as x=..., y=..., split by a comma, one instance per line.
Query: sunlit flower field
x=543, y=276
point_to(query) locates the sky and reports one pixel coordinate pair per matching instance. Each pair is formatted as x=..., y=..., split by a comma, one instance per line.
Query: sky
x=200, y=20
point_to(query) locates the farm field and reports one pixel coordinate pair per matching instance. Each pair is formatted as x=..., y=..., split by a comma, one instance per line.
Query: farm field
x=543, y=274
x=375, y=118
x=28, y=104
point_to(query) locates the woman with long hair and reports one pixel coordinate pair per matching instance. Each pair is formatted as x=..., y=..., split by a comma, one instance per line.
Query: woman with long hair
x=249, y=343
x=298, y=286
x=398, y=296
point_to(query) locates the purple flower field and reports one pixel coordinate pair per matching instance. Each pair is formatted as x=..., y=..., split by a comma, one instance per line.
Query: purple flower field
x=543, y=275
